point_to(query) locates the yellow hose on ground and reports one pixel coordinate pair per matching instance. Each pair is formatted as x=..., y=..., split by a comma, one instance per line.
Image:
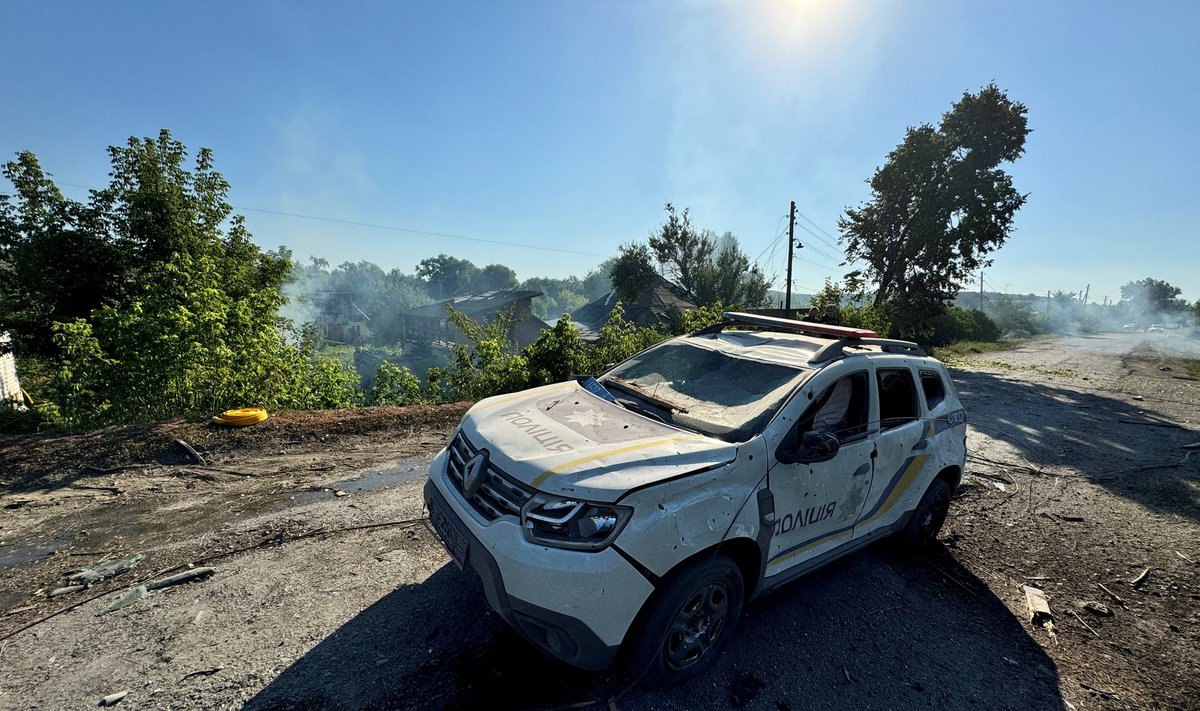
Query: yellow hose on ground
x=241, y=417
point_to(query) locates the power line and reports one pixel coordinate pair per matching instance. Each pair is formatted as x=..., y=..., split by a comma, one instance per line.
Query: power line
x=392, y=228
x=821, y=229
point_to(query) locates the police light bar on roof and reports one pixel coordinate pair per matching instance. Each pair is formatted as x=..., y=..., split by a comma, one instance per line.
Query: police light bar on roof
x=787, y=324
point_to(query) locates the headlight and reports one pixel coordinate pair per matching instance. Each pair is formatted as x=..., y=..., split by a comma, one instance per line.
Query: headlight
x=571, y=523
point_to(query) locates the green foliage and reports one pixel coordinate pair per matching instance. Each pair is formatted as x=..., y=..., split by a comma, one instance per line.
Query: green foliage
x=495, y=277
x=1015, y=317
x=729, y=278
x=701, y=317
x=632, y=270
x=557, y=354
x=831, y=294
x=958, y=324
x=193, y=328
x=447, y=276
x=682, y=248
x=940, y=204
x=395, y=385
x=620, y=339
x=559, y=296
x=1149, y=300
x=490, y=365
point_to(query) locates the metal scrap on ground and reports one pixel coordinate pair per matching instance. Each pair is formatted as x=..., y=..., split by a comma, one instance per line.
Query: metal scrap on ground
x=87, y=576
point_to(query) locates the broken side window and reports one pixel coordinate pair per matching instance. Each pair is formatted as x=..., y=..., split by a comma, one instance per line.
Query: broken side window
x=897, y=397
x=933, y=387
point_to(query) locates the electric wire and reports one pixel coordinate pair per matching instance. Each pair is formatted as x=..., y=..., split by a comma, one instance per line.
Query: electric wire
x=392, y=228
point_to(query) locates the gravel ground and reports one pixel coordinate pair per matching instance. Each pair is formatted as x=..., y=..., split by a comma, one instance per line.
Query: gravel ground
x=1076, y=485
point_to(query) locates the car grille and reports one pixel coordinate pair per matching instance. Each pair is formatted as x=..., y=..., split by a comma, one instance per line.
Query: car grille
x=497, y=495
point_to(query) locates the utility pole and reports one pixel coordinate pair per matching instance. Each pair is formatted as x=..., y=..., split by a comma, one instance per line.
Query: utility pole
x=1085, y=294
x=791, y=241
x=1047, y=303
x=981, y=290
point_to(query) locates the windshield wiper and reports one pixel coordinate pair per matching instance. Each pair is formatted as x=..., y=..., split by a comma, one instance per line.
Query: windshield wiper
x=648, y=397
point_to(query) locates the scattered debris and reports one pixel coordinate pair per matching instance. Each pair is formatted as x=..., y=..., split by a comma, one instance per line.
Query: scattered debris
x=67, y=590
x=1112, y=594
x=184, y=577
x=114, y=699
x=1141, y=578
x=115, y=491
x=1127, y=421
x=1138, y=397
x=200, y=672
x=1089, y=627
x=88, y=576
x=744, y=689
x=1097, y=608
x=1039, y=609
x=1102, y=692
x=339, y=493
x=134, y=595
x=17, y=610
x=191, y=452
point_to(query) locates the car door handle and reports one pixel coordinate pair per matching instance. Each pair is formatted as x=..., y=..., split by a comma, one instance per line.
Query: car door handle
x=862, y=470
x=923, y=444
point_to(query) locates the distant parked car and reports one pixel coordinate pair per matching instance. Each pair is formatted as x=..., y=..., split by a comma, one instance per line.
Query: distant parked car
x=1129, y=327
x=1156, y=328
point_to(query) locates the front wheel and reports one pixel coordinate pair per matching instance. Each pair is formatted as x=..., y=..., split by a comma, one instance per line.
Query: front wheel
x=927, y=519
x=687, y=623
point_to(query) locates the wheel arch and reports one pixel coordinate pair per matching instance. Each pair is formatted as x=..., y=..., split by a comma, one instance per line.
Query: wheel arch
x=952, y=475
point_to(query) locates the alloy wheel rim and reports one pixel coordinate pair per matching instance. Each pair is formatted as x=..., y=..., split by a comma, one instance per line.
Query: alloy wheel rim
x=697, y=626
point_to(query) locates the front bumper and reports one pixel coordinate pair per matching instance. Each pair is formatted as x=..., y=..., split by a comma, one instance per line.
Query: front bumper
x=575, y=606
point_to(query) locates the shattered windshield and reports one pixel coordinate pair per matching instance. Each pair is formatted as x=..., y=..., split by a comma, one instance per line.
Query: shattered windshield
x=712, y=392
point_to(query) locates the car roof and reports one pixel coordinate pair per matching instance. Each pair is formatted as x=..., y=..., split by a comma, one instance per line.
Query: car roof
x=794, y=349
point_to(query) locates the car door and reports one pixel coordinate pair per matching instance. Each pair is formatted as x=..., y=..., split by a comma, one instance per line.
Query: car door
x=901, y=448
x=818, y=499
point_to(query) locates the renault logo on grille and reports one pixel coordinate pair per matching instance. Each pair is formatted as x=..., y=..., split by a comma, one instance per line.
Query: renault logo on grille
x=474, y=471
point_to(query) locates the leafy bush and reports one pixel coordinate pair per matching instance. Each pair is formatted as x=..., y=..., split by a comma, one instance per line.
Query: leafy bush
x=395, y=385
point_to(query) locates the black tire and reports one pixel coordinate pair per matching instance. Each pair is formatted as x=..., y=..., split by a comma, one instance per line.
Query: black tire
x=687, y=622
x=922, y=529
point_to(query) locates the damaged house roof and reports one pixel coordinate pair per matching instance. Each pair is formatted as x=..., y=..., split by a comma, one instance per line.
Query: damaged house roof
x=659, y=304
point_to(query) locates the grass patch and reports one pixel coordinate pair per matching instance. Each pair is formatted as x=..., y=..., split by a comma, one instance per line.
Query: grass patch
x=962, y=349
x=1194, y=370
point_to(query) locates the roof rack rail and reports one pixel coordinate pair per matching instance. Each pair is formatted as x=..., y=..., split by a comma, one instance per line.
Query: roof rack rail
x=845, y=337
x=738, y=318
x=836, y=350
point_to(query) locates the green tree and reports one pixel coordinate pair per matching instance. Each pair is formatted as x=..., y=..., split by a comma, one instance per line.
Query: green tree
x=447, y=276
x=682, y=249
x=495, y=277
x=1150, y=299
x=729, y=278
x=194, y=327
x=597, y=282
x=632, y=271
x=940, y=204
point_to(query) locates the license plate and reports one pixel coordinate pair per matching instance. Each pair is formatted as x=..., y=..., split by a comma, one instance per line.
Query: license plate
x=454, y=542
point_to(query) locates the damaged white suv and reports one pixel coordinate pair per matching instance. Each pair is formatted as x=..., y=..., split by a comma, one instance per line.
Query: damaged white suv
x=636, y=512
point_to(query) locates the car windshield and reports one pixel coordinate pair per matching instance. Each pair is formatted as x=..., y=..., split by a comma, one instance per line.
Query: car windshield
x=713, y=392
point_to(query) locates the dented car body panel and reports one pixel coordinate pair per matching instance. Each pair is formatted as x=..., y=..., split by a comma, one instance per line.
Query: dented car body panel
x=575, y=501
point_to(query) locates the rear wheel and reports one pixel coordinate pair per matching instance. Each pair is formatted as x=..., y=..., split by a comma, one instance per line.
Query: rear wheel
x=927, y=519
x=688, y=622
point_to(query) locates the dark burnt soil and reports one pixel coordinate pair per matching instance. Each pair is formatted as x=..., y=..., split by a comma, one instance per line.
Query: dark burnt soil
x=42, y=462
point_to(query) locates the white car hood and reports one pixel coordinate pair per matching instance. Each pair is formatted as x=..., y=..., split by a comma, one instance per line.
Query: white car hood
x=564, y=440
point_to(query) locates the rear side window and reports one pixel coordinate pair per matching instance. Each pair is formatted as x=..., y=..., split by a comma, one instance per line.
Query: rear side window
x=933, y=387
x=897, y=397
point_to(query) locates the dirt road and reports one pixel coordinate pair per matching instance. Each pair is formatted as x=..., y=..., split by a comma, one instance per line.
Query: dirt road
x=1077, y=485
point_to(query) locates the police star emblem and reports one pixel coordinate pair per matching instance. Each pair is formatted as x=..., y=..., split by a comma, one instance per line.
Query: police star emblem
x=589, y=418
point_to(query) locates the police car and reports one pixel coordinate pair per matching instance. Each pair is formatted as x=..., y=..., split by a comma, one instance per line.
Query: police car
x=635, y=513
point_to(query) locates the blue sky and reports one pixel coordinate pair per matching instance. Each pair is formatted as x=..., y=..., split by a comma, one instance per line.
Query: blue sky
x=569, y=124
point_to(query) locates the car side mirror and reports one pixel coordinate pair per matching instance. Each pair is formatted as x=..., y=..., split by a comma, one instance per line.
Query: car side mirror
x=814, y=447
